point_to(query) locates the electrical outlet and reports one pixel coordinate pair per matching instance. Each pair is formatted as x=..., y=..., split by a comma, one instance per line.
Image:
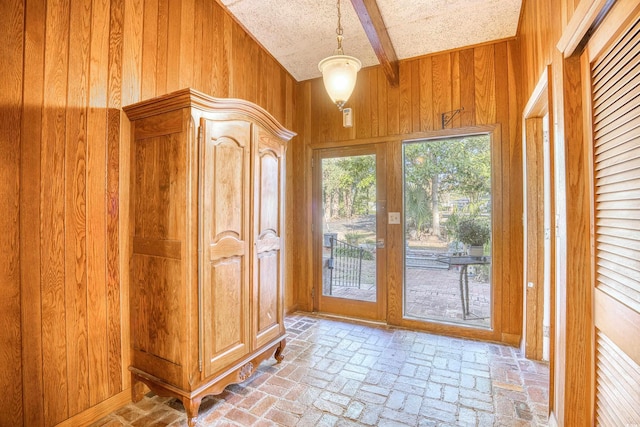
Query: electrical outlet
x=394, y=217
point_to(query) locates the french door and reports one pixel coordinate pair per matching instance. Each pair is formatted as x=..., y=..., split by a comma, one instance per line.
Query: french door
x=349, y=219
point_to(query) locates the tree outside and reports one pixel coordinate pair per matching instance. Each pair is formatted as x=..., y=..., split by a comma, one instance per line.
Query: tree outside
x=445, y=180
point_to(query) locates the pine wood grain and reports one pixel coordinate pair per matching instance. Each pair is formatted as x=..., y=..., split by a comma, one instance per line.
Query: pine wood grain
x=415, y=96
x=362, y=105
x=426, y=95
x=467, y=88
x=382, y=103
x=132, y=51
x=405, y=101
x=150, y=49
x=11, y=51
x=455, y=88
x=75, y=212
x=186, y=38
x=52, y=211
x=30, y=238
x=485, y=84
x=96, y=205
x=579, y=318
x=374, y=117
x=162, y=48
x=533, y=238
x=393, y=110
x=114, y=289
x=441, y=85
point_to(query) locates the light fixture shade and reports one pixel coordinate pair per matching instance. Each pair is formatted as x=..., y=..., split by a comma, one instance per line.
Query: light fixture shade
x=339, y=74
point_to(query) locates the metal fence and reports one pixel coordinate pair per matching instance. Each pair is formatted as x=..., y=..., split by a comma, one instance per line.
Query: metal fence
x=345, y=264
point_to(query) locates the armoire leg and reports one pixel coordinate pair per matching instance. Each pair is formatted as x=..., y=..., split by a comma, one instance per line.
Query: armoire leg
x=192, y=406
x=278, y=354
x=137, y=389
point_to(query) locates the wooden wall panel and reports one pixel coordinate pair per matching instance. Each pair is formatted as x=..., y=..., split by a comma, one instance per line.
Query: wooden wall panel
x=11, y=50
x=541, y=25
x=116, y=316
x=425, y=89
x=429, y=86
x=52, y=271
x=95, y=203
x=441, y=86
x=30, y=190
x=64, y=147
x=75, y=214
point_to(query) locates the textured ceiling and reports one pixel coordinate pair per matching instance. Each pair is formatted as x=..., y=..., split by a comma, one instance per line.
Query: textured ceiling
x=299, y=33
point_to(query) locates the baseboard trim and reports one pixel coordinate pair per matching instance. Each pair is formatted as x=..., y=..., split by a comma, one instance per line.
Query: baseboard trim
x=98, y=411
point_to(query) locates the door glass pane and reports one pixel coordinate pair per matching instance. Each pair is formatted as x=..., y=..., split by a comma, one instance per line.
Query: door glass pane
x=447, y=209
x=349, y=227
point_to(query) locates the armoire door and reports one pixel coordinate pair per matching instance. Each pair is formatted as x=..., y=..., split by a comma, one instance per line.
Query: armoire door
x=225, y=201
x=611, y=71
x=268, y=223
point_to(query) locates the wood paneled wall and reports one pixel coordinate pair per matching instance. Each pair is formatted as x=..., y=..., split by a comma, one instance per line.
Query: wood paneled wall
x=11, y=49
x=484, y=80
x=68, y=68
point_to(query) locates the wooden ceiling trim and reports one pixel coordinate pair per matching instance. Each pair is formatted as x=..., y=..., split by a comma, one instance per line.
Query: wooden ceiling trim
x=371, y=19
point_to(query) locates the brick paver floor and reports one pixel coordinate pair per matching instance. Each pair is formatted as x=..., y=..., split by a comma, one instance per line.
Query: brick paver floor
x=343, y=373
x=434, y=294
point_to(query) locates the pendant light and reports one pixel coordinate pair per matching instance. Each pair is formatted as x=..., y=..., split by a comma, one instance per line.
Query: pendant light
x=339, y=71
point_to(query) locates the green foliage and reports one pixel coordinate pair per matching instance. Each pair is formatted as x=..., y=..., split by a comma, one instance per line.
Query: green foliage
x=473, y=231
x=417, y=207
x=353, y=253
x=348, y=185
x=354, y=238
x=443, y=170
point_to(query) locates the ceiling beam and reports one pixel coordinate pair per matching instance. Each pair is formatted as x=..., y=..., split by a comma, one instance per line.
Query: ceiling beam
x=371, y=19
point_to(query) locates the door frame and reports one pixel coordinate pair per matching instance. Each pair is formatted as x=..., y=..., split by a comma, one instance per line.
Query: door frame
x=376, y=311
x=535, y=173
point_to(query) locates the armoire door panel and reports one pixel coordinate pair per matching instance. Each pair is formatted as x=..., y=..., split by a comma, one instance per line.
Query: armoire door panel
x=268, y=227
x=226, y=173
x=269, y=192
x=226, y=333
x=268, y=293
x=225, y=203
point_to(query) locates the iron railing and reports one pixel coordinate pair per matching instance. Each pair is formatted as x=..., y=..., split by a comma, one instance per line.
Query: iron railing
x=345, y=264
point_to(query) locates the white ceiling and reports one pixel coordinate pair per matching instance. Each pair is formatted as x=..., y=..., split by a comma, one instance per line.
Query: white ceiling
x=299, y=33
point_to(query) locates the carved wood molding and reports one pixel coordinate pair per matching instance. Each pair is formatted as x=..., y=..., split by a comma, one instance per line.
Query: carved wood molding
x=189, y=97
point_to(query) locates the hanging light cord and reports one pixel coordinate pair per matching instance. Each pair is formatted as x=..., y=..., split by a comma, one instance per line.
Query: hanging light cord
x=339, y=31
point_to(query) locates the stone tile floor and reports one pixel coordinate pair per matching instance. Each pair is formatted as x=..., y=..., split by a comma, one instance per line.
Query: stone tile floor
x=343, y=373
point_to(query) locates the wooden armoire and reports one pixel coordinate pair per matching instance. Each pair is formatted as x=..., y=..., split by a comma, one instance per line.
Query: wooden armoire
x=207, y=224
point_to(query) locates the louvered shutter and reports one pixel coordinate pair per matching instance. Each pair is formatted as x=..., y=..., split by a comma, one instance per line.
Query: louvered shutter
x=615, y=78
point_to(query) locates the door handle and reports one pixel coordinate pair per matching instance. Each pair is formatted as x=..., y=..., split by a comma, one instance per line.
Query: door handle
x=380, y=244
